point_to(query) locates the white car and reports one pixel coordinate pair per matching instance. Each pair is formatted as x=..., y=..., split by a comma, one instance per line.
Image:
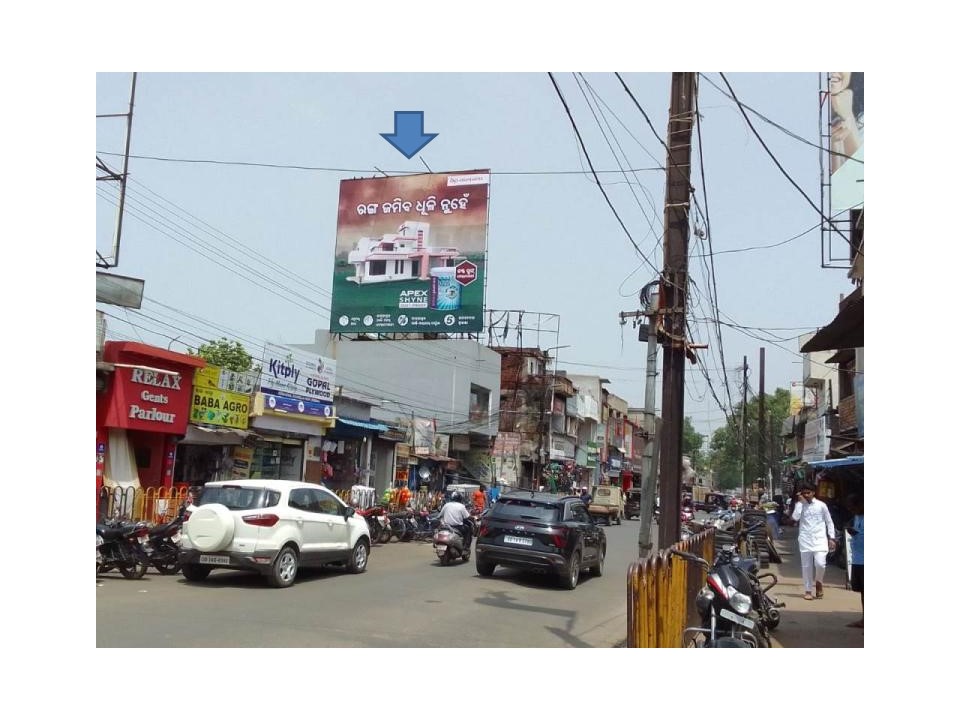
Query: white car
x=271, y=527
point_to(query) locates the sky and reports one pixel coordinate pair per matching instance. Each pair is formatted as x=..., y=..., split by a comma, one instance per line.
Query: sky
x=554, y=244
x=225, y=225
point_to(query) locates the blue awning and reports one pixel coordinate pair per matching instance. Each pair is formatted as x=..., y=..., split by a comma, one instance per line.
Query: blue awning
x=365, y=424
x=838, y=462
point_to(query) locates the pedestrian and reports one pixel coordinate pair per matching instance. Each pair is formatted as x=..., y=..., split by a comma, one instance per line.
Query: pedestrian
x=493, y=494
x=479, y=500
x=855, y=528
x=816, y=537
x=585, y=496
x=773, y=519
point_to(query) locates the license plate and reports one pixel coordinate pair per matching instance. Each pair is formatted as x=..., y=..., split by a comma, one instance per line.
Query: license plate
x=517, y=540
x=143, y=539
x=739, y=619
x=175, y=537
x=214, y=560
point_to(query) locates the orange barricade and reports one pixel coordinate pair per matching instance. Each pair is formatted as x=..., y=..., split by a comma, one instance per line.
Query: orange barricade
x=661, y=594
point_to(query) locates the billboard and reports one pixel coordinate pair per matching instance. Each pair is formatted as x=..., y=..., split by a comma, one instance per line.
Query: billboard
x=846, y=140
x=410, y=253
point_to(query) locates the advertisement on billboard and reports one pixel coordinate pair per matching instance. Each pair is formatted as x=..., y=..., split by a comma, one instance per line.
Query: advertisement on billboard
x=411, y=253
x=298, y=374
x=845, y=90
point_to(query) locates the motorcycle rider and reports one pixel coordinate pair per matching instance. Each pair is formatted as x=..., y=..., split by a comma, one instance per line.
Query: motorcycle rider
x=455, y=515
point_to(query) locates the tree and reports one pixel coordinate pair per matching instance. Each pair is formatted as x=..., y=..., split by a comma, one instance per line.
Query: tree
x=726, y=445
x=692, y=444
x=226, y=354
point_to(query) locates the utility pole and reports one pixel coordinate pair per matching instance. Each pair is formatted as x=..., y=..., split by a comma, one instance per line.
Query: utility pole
x=673, y=291
x=743, y=432
x=761, y=425
x=648, y=481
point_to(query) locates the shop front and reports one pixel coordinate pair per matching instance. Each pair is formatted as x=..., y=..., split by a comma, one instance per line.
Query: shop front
x=349, y=452
x=288, y=430
x=143, y=413
x=218, y=433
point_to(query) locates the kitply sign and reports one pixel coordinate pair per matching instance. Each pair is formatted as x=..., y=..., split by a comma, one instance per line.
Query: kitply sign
x=298, y=373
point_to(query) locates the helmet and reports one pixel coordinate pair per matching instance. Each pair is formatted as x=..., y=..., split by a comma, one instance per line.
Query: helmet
x=456, y=497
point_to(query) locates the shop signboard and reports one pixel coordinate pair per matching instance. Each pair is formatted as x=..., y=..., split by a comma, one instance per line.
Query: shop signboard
x=220, y=378
x=410, y=253
x=424, y=436
x=285, y=405
x=219, y=407
x=154, y=400
x=298, y=373
x=815, y=440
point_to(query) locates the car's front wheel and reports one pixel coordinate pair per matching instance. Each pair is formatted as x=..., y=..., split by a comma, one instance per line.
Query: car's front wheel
x=359, y=557
x=284, y=569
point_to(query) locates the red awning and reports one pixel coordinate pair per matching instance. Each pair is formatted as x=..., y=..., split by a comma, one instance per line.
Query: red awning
x=114, y=351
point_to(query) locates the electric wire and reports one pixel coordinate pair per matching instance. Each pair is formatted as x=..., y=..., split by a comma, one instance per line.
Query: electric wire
x=597, y=179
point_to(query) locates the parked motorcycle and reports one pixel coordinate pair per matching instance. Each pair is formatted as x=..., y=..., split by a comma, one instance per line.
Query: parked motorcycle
x=120, y=546
x=726, y=603
x=425, y=524
x=163, y=546
x=449, y=543
x=378, y=523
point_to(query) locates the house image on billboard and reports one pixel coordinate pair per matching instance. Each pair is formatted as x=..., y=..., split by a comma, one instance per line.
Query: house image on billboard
x=404, y=255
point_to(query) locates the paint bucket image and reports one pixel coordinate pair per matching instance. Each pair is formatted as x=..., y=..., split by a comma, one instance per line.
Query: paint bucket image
x=444, y=289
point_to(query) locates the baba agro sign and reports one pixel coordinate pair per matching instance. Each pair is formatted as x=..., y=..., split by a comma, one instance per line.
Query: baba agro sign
x=410, y=253
x=213, y=406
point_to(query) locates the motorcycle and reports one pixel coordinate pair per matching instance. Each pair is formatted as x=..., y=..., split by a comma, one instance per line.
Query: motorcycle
x=163, y=546
x=378, y=523
x=730, y=601
x=449, y=543
x=120, y=546
x=424, y=524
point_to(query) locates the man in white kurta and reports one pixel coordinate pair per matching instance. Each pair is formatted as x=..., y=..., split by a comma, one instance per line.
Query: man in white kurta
x=816, y=537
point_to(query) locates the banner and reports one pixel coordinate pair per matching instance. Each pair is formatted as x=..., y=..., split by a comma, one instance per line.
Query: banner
x=297, y=373
x=410, y=253
x=845, y=90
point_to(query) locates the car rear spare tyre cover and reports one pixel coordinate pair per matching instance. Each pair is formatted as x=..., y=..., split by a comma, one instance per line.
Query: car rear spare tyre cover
x=210, y=527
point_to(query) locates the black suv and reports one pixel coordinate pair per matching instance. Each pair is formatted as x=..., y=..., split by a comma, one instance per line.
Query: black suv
x=541, y=532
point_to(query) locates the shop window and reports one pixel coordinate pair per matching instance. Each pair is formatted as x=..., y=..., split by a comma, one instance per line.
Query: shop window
x=142, y=455
x=479, y=403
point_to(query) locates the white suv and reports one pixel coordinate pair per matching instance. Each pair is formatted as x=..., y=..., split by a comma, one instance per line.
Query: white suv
x=271, y=527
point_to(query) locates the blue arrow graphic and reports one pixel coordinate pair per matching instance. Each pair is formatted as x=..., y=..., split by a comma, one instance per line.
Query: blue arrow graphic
x=408, y=136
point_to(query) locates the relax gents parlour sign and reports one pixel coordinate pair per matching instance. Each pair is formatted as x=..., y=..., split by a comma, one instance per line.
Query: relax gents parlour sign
x=155, y=400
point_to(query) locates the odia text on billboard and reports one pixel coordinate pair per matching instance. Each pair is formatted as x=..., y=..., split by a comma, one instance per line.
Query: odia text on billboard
x=410, y=253
x=298, y=373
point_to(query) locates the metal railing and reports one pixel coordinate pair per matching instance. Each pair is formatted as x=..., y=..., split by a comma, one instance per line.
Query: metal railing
x=154, y=504
x=661, y=594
